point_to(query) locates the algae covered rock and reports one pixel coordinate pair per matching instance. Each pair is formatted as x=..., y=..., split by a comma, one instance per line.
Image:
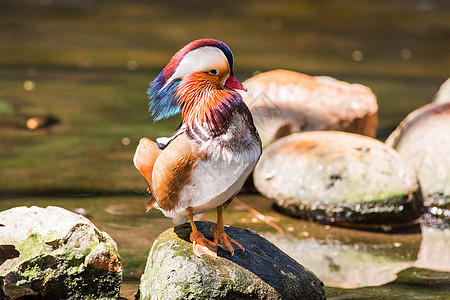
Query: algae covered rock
x=262, y=271
x=339, y=178
x=283, y=102
x=62, y=256
x=423, y=139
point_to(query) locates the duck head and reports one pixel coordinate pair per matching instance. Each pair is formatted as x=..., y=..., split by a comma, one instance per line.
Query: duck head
x=198, y=80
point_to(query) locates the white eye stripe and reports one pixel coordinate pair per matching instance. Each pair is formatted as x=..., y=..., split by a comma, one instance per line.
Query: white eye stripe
x=202, y=59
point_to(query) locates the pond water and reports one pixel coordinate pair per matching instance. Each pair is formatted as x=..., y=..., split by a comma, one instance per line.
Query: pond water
x=83, y=67
x=352, y=264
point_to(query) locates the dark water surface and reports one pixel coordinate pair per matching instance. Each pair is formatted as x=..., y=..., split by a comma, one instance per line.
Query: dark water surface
x=84, y=66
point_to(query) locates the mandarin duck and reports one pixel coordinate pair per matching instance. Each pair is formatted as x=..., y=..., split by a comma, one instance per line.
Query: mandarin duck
x=207, y=160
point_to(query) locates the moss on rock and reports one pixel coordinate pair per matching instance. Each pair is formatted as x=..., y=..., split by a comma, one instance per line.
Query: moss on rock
x=262, y=271
x=62, y=256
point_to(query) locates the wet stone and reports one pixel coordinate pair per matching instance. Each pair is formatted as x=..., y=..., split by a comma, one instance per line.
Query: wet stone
x=423, y=139
x=283, y=102
x=262, y=271
x=339, y=178
x=62, y=256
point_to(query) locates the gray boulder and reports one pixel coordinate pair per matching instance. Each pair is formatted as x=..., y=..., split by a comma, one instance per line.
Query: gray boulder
x=262, y=271
x=62, y=256
x=284, y=102
x=423, y=139
x=339, y=178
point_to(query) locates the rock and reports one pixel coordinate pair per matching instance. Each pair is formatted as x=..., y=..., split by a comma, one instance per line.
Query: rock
x=423, y=139
x=443, y=95
x=284, y=102
x=424, y=277
x=62, y=256
x=339, y=178
x=262, y=271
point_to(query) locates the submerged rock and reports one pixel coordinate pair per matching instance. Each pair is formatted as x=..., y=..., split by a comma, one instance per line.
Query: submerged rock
x=62, y=256
x=411, y=283
x=262, y=271
x=284, y=102
x=339, y=178
x=351, y=260
x=423, y=139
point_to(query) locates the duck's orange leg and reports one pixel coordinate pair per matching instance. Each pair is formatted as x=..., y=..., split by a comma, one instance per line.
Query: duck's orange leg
x=220, y=237
x=201, y=245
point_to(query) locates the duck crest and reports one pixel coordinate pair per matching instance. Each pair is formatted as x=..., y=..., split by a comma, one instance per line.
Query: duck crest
x=162, y=90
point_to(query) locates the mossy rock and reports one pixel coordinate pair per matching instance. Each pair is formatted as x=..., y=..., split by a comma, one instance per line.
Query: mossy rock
x=262, y=271
x=62, y=256
x=339, y=178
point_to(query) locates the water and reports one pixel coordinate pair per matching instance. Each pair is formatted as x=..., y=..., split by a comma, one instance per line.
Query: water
x=87, y=64
x=351, y=263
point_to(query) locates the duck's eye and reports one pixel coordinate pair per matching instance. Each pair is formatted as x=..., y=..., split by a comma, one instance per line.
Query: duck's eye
x=213, y=72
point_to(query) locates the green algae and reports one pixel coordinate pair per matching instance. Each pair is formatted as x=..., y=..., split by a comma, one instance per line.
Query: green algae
x=82, y=264
x=261, y=271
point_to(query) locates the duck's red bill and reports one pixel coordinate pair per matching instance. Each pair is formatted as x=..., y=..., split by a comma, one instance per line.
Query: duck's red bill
x=233, y=83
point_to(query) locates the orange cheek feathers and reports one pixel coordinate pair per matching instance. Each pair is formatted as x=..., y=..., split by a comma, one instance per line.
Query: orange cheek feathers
x=198, y=94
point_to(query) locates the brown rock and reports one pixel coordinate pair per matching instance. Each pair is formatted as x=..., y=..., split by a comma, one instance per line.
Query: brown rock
x=284, y=102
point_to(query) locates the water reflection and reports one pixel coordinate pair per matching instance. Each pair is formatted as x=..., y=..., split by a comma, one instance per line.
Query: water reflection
x=434, y=250
x=340, y=257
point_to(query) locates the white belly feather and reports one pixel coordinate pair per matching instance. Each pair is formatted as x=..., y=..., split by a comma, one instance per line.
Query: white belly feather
x=231, y=158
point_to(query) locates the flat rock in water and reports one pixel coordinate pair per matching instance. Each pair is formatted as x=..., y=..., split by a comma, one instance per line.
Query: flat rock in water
x=339, y=178
x=62, y=256
x=262, y=271
x=284, y=102
x=423, y=139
